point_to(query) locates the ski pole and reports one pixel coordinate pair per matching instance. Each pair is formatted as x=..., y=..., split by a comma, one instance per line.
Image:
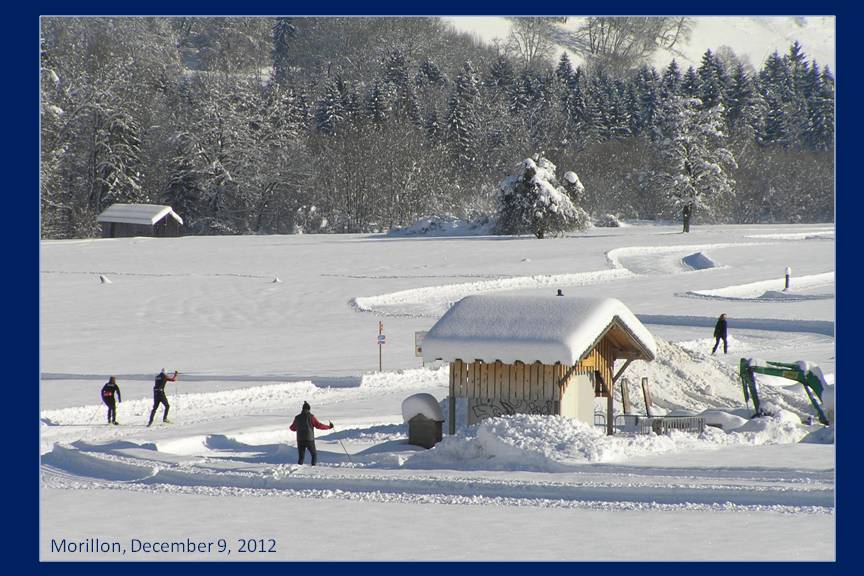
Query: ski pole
x=343, y=447
x=176, y=394
x=95, y=413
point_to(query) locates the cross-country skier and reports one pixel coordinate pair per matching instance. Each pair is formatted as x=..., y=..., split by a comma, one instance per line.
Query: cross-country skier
x=304, y=424
x=159, y=394
x=720, y=334
x=109, y=390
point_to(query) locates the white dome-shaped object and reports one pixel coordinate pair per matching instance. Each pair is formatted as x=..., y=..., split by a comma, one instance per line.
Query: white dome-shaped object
x=104, y=279
x=424, y=404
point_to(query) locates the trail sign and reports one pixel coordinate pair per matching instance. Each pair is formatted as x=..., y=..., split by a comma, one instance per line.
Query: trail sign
x=418, y=343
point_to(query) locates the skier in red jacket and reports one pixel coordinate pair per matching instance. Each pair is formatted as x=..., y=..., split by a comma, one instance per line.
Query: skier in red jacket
x=304, y=424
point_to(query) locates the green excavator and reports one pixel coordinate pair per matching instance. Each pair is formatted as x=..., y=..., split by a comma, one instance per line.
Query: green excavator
x=812, y=383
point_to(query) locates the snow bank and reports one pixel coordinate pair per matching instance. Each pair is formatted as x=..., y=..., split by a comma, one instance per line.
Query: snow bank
x=408, y=379
x=772, y=289
x=433, y=301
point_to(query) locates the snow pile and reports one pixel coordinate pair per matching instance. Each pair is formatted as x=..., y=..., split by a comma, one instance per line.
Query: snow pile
x=528, y=329
x=534, y=442
x=446, y=226
x=538, y=443
x=690, y=382
x=424, y=404
x=781, y=427
x=724, y=420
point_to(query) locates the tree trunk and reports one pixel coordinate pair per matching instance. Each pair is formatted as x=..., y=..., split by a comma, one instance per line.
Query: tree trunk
x=685, y=214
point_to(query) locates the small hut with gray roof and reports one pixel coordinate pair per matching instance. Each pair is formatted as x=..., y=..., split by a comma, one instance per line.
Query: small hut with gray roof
x=128, y=220
x=513, y=354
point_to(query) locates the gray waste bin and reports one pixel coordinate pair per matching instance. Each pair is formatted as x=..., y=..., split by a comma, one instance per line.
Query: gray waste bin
x=423, y=431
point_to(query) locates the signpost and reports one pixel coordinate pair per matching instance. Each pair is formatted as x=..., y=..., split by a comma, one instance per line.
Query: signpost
x=418, y=344
x=381, y=340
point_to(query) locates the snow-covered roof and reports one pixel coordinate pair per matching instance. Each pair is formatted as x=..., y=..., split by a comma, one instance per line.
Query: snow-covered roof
x=147, y=214
x=547, y=329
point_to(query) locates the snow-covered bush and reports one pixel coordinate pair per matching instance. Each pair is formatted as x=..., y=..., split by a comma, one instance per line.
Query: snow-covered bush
x=532, y=200
x=607, y=221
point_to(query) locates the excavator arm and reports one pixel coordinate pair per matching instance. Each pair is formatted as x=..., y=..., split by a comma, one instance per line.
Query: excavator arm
x=749, y=367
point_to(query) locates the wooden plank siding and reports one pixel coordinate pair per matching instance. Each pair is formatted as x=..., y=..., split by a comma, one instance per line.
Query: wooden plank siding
x=533, y=381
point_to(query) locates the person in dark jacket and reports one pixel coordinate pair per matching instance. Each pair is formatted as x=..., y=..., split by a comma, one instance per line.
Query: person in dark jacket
x=304, y=424
x=159, y=396
x=720, y=334
x=109, y=391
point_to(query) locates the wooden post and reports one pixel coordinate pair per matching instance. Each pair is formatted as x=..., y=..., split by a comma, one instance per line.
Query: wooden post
x=625, y=396
x=610, y=428
x=451, y=403
x=647, y=395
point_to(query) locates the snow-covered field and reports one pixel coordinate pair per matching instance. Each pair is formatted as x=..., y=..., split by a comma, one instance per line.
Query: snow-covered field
x=250, y=350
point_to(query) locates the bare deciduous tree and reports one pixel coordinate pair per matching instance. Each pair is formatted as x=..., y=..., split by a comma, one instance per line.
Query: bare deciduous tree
x=620, y=43
x=530, y=40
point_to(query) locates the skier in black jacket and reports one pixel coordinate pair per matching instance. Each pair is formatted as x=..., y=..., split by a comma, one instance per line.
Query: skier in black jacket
x=159, y=394
x=304, y=424
x=720, y=334
x=109, y=390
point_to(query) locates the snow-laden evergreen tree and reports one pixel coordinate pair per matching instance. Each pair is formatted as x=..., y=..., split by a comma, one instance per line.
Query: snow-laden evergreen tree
x=775, y=129
x=329, y=113
x=377, y=104
x=462, y=115
x=619, y=117
x=696, y=165
x=564, y=71
x=429, y=73
x=690, y=85
x=743, y=108
x=532, y=200
x=647, y=89
x=713, y=80
x=396, y=69
x=670, y=83
x=520, y=94
x=432, y=126
x=284, y=32
x=820, y=132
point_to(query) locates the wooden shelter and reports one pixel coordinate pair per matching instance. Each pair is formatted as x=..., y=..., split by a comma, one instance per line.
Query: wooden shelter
x=128, y=220
x=536, y=354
